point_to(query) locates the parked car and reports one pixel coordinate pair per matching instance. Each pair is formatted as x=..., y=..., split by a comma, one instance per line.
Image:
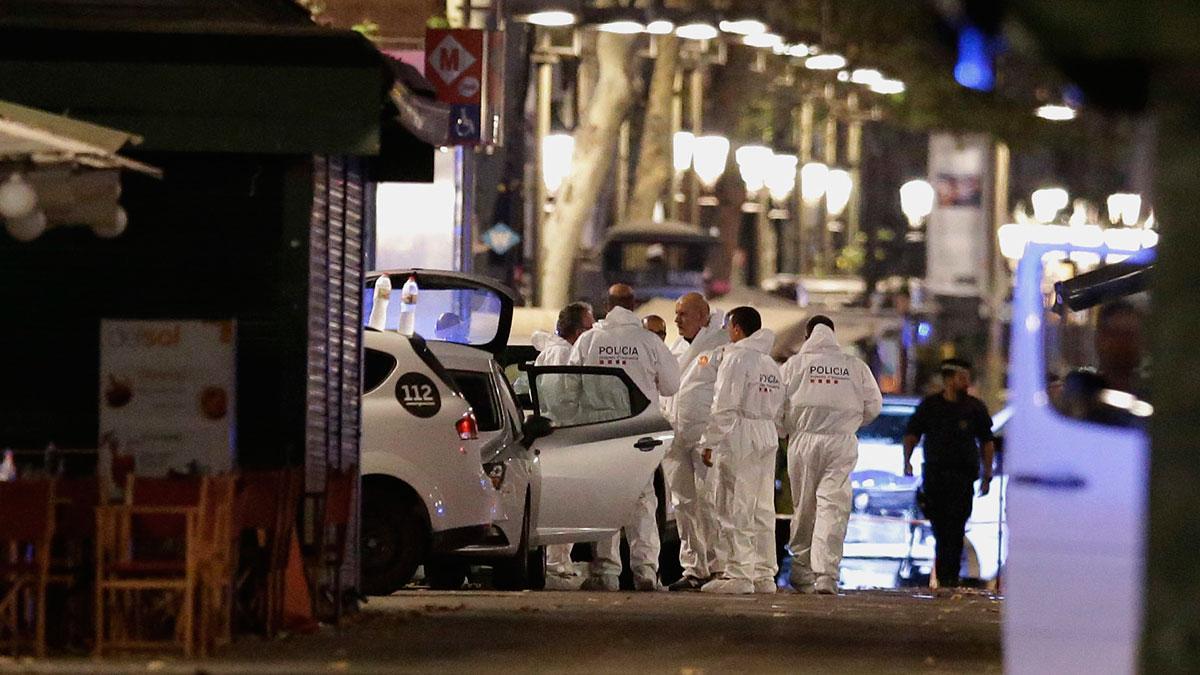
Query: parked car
x=567, y=473
x=889, y=542
x=424, y=486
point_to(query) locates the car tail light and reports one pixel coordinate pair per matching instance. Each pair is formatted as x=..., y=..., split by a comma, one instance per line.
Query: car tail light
x=468, y=429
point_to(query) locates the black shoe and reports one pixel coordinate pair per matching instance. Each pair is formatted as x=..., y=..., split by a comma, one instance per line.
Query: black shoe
x=687, y=583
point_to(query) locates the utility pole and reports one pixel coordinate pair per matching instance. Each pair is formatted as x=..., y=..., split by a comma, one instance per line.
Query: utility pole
x=544, y=59
x=831, y=158
x=999, y=282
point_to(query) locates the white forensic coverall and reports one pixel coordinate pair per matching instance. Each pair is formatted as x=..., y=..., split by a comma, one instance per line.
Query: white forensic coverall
x=743, y=436
x=554, y=351
x=693, y=494
x=619, y=340
x=830, y=394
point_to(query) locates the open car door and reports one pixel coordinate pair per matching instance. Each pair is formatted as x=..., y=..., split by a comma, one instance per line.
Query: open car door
x=1076, y=495
x=601, y=441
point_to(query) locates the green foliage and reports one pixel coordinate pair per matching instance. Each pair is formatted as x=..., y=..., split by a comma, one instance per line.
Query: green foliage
x=367, y=27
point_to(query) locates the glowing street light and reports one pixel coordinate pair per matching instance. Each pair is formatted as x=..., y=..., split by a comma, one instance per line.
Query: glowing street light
x=916, y=201
x=1047, y=202
x=660, y=27
x=744, y=27
x=710, y=153
x=552, y=18
x=1056, y=113
x=683, y=146
x=837, y=194
x=622, y=27
x=753, y=163
x=888, y=87
x=828, y=61
x=557, y=152
x=781, y=176
x=814, y=180
x=697, y=30
x=1124, y=208
x=866, y=76
x=764, y=41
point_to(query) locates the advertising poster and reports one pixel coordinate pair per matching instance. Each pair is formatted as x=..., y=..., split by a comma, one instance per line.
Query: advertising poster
x=166, y=397
x=957, y=239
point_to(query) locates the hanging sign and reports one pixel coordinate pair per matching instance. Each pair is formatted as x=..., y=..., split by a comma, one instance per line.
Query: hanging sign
x=464, y=65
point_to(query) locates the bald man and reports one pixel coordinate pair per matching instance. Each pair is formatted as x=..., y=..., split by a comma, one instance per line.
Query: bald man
x=693, y=493
x=620, y=341
x=655, y=324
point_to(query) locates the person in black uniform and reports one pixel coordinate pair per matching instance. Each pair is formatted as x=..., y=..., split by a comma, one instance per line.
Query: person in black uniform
x=957, y=430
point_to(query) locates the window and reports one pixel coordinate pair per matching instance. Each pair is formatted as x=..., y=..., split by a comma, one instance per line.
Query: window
x=573, y=399
x=888, y=427
x=479, y=392
x=377, y=366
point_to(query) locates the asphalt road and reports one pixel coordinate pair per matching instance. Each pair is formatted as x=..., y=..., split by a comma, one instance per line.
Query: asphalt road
x=571, y=631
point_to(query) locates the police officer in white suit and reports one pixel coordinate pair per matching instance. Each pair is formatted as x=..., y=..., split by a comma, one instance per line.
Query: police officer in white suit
x=691, y=484
x=619, y=340
x=741, y=440
x=830, y=394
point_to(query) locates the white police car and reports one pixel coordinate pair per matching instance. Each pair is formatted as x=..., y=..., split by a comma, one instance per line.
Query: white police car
x=569, y=473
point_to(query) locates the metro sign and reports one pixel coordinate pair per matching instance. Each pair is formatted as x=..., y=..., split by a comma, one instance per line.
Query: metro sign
x=449, y=59
x=454, y=60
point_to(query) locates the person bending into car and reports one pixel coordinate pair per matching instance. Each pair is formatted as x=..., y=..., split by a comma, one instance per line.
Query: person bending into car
x=957, y=430
x=741, y=441
x=830, y=394
x=689, y=481
x=620, y=341
x=554, y=349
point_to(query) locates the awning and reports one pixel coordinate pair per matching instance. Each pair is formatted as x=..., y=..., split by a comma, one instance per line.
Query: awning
x=29, y=135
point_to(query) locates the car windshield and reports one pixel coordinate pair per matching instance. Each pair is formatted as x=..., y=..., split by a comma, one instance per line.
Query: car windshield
x=888, y=428
x=466, y=316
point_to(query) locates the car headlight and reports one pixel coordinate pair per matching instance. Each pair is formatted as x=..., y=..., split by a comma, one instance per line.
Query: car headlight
x=861, y=500
x=496, y=473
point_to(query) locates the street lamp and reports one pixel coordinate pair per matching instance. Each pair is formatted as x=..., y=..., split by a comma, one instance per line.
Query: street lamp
x=1047, y=202
x=814, y=180
x=683, y=146
x=1124, y=207
x=888, y=87
x=837, y=193
x=1056, y=113
x=781, y=176
x=698, y=29
x=708, y=159
x=916, y=201
x=557, y=151
x=660, y=27
x=745, y=27
x=753, y=163
x=866, y=76
x=828, y=61
x=764, y=41
x=549, y=14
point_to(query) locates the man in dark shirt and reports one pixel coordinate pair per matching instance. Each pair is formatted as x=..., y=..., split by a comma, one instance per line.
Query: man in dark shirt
x=956, y=427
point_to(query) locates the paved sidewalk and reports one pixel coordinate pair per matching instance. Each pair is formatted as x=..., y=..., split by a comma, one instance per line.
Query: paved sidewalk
x=555, y=631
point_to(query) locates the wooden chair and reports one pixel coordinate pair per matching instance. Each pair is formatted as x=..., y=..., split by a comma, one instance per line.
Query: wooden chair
x=148, y=546
x=26, y=536
x=217, y=562
x=340, y=491
x=72, y=560
x=265, y=519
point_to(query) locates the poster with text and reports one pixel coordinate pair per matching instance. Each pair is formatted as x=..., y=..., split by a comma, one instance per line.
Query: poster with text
x=166, y=397
x=957, y=239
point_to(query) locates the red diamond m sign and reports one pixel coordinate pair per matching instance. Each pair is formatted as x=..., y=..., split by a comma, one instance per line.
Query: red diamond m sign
x=455, y=64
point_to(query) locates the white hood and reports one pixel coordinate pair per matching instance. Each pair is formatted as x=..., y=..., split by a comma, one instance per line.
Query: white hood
x=619, y=316
x=543, y=340
x=762, y=342
x=822, y=341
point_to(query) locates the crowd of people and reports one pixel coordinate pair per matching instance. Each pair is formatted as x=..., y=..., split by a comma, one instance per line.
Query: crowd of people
x=731, y=405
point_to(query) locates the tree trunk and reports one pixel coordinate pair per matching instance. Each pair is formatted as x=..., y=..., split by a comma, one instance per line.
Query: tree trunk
x=655, y=166
x=595, y=138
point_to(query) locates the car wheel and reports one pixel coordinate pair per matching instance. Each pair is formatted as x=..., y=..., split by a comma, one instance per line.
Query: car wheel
x=394, y=542
x=445, y=575
x=526, y=568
